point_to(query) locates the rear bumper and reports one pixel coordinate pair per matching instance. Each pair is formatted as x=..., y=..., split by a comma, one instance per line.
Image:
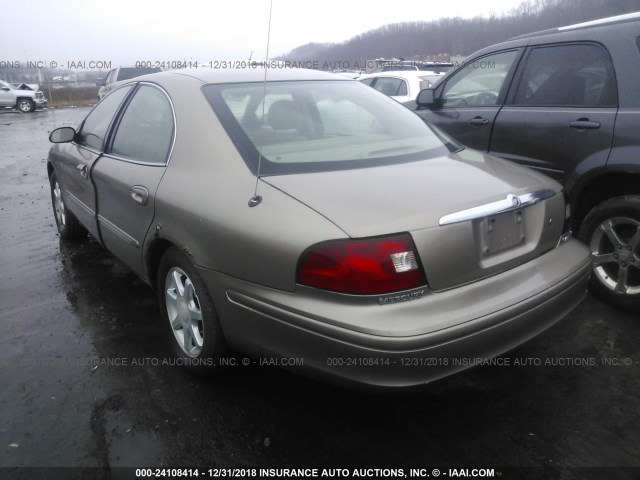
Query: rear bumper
x=358, y=340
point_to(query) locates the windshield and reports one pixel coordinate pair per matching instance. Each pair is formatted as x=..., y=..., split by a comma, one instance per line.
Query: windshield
x=307, y=126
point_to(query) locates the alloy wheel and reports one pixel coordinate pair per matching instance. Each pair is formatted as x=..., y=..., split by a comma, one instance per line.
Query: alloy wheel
x=184, y=312
x=616, y=254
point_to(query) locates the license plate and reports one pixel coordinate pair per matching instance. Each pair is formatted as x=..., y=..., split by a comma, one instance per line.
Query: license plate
x=501, y=232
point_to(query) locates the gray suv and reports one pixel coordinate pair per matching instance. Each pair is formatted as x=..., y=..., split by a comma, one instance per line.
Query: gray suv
x=565, y=102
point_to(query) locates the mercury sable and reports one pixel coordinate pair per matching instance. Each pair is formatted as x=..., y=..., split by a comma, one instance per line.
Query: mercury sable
x=309, y=216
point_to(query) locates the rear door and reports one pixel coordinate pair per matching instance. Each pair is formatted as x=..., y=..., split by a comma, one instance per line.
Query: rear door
x=472, y=97
x=562, y=110
x=127, y=177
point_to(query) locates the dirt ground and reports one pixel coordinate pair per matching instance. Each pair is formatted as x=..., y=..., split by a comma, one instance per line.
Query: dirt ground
x=566, y=406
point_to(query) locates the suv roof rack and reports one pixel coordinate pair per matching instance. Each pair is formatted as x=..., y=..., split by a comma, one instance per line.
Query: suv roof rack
x=627, y=17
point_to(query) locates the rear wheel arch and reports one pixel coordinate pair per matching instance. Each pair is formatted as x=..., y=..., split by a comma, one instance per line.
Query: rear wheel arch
x=155, y=252
x=612, y=232
x=593, y=191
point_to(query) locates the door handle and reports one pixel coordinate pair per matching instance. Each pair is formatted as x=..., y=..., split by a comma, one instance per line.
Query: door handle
x=140, y=194
x=82, y=169
x=584, y=123
x=478, y=121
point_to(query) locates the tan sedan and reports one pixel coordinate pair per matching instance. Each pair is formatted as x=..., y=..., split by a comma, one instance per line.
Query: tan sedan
x=310, y=217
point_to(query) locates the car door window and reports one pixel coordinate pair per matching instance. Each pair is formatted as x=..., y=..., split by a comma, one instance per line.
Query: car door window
x=567, y=75
x=94, y=129
x=368, y=81
x=390, y=86
x=145, y=132
x=479, y=82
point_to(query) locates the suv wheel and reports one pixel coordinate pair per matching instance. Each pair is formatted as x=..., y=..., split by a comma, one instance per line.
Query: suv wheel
x=612, y=232
x=26, y=105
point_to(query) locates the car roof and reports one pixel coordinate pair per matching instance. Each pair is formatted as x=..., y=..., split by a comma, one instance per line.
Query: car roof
x=248, y=75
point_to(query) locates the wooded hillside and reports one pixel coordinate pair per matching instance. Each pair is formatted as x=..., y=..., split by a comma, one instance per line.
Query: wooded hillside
x=458, y=36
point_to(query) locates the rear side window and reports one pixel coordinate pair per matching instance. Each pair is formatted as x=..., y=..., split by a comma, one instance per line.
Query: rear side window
x=391, y=86
x=145, y=132
x=95, y=126
x=568, y=75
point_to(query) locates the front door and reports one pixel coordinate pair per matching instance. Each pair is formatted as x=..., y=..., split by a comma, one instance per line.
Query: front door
x=75, y=161
x=472, y=97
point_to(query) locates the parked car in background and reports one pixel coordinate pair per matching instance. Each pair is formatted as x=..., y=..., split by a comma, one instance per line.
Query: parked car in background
x=22, y=99
x=310, y=219
x=565, y=102
x=118, y=75
x=347, y=73
x=402, y=86
x=399, y=65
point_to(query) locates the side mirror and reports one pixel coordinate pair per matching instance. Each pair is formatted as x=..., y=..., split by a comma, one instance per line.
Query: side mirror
x=6, y=89
x=426, y=98
x=62, y=135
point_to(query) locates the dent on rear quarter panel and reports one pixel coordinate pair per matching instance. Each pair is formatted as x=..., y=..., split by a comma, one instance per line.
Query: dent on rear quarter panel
x=202, y=204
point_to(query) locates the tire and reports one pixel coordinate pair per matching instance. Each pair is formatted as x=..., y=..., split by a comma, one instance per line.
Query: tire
x=25, y=105
x=189, y=315
x=612, y=232
x=68, y=225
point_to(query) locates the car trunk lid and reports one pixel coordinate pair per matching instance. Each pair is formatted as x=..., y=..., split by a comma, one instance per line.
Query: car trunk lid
x=421, y=197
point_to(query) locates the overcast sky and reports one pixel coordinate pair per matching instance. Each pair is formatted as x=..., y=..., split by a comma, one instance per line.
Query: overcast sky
x=125, y=31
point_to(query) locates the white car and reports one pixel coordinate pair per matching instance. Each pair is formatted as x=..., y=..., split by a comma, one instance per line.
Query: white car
x=401, y=85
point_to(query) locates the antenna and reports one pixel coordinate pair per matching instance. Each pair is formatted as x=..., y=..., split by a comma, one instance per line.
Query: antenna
x=257, y=199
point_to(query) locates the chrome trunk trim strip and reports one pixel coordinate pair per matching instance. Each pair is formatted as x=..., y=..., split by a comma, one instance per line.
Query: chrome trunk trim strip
x=511, y=202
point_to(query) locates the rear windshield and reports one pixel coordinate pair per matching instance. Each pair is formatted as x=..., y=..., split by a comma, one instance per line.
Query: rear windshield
x=308, y=126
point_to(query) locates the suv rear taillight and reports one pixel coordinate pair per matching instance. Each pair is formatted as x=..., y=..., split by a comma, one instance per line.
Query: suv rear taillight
x=363, y=266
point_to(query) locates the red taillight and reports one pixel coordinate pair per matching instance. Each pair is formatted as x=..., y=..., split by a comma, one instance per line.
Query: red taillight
x=365, y=266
